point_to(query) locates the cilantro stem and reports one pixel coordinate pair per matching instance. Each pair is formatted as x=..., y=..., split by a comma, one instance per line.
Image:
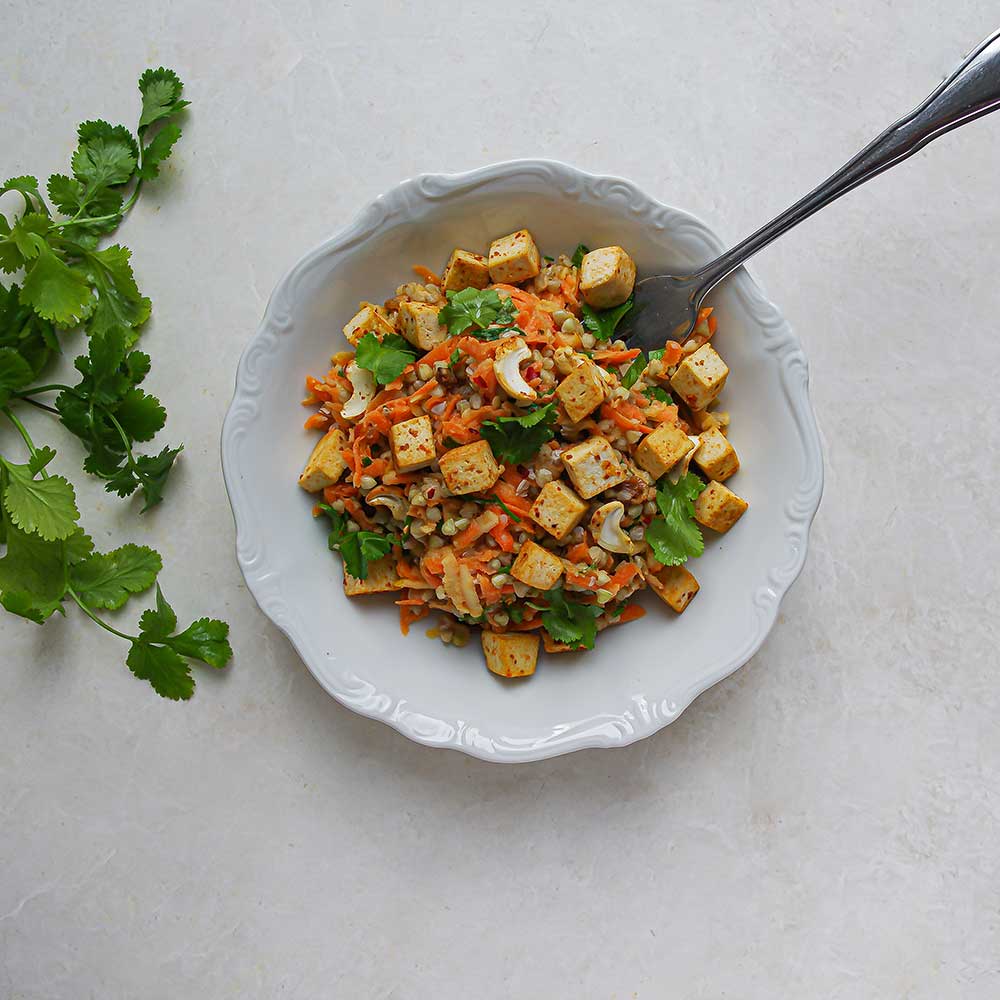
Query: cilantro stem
x=41, y=406
x=21, y=429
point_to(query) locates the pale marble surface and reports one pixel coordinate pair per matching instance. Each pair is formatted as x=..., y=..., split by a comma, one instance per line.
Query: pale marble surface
x=824, y=824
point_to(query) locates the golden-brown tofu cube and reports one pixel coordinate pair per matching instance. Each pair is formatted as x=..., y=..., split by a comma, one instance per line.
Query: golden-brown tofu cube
x=470, y=468
x=514, y=258
x=607, y=277
x=557, y=509
x=465, y=270
x=418, y=323
x=674, y=585
x=536, y=566
x=593, y=466
x=326, y=463
x=368, y=319
x=718, y=507
x=511, y=654
x=715, y=456
x=581, y=391
x=661, y=450
x=381, y=578
x=412, y=444
x=700, y=377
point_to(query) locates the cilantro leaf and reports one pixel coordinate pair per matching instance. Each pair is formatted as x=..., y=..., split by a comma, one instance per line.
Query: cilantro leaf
x=165, y=669
x=603, y=322
x=454, y=357
x=476, y=308
x=32, y=575
x=570, y=622
x=27, y=187
x=161, y=96
x=205, y=640
x=106, y=156
x=579, y=253
x=635, y=369
x=656, y=392
x=674, y=535
x=517, y=439
x=119, y=302
x=386, y=358
x=141, y=415
x=357, y=548
x=56, y=291
x=46, y=507
x=158, y=150
x=108, y=580
x=157, y=623
x=15, y=373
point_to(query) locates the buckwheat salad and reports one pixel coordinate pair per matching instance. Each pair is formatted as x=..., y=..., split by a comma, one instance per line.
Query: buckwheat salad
x=491, y=452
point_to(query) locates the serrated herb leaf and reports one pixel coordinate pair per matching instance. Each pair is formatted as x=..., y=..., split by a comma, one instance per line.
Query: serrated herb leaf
x=570, y=622
x=357, y=548
x=579, y=253
x=602, y=323
x=674, y=535
x=635, y=369
x=386, y=358
x=45, y=507
x=476, y=310
x=517, y=439
x=107, y=580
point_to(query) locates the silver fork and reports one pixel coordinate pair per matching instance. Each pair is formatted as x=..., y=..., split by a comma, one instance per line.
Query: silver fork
x=666, y=305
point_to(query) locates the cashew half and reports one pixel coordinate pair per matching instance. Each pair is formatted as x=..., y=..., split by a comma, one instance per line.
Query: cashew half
x=508, y=370
x=363, y=383
x=606, y=527
x=681, y=468
x=394, y=503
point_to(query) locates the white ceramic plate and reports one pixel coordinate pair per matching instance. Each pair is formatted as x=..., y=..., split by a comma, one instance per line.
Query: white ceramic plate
x=641, y=676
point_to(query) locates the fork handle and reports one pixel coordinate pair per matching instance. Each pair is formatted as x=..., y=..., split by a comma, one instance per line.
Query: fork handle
x=972, y=90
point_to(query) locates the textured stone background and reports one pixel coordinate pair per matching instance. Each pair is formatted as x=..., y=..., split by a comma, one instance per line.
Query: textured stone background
x=824, y=824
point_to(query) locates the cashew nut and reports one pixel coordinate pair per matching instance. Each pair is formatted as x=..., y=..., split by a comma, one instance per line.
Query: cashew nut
x=681, y=468
x=508, y=370
x=395, y=504
x=363, y=383
x=606, y=527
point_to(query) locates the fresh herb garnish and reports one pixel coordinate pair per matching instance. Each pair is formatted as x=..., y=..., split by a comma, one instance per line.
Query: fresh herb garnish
x=579, y=253
x=674, y=535
x=570, y=623
x=603, y=322
x=517, y=439
x=655, y=392
x=454, y=358
x=515, y=613
x=387, y=358
x=635, y=369
x=357, y=548
x=478, y=310
x=657, y=354
x=70, y=282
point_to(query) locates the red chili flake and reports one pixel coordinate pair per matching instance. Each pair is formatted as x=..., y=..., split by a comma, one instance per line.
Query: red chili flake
x=430, y=493
x=532, y=371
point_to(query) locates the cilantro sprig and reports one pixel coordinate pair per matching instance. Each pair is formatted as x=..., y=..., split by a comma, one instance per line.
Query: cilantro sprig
x=570, y=622
x=387, y=358
x=674, y=535
x=517, y=439
x=602, y=323
x=357, y=548
x=482, y=312
x=66, y=281
x=579, y=253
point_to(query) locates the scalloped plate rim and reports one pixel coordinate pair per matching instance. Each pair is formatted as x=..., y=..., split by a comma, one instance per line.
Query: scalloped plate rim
x=524, y=750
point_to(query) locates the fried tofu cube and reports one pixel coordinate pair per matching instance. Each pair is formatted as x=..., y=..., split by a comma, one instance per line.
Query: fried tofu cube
x=700, y=377
x=470, y=468
x=465, y=270
x=718, y=507
x=537, y=566
x=661, y=450
x=368, y=319
x=326, y=463
x=607, y=277
x=514, y=258
x=581, y=391
x=381, y=578
x=715, y=456
x=557, y=509
x=674, y=585
x=593, y=466
x=412, y=444
x=418, y=323
x=511, y=654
